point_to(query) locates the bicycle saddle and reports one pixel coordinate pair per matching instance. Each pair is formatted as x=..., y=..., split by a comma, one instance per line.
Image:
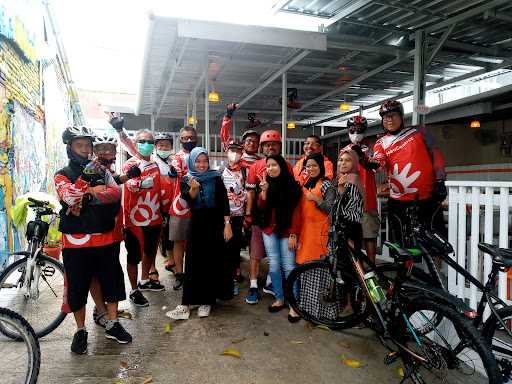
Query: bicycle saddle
x=400, y=254
x=500, y=256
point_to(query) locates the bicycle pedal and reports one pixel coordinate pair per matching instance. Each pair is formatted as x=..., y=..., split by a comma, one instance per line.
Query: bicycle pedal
x=391, y=357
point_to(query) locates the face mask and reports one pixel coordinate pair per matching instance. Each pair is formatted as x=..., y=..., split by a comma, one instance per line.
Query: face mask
x=145, y=149
x=234, y=157
x=189, y=145
x=356, y=138
x=163, y=154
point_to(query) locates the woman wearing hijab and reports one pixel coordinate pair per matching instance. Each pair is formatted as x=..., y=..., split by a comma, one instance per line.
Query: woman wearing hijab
x=208, y=274
x=347, y=210
x=318, y=196
x=278, y=200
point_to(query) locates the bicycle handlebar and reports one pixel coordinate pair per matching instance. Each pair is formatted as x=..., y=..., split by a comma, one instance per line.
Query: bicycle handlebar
x=38, y=203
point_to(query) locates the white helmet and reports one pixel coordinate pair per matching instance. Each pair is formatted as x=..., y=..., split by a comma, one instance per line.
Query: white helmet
x=104, y=139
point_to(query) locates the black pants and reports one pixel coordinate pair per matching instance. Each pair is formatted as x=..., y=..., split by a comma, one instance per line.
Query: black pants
x=235, y=244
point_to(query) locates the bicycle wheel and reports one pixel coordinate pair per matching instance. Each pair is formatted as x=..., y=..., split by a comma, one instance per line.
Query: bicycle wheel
x=501, y=344
x=317, y=297
x=43, y=312
x=20, y=361
x=452, y=351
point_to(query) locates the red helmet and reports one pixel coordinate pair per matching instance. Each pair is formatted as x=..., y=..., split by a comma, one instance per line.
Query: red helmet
x=391, y=106
x=357, y=124
x=270, y=135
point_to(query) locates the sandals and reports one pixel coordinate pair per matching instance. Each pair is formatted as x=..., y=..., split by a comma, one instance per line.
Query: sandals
x=154, y=273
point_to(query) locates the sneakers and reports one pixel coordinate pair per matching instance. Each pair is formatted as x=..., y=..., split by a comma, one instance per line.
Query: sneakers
x=252, y=296
x=138, y=299
x=118, y=333
x=79, y=344
x=204, y=311
x=269, y=289
x=178, y=283
x=151, y=285
x=181, y=312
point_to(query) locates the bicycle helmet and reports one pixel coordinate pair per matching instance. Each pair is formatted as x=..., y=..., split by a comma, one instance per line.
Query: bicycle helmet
x=235, y=145
x=163, y=136
x=357, y=124
x=72, y=133
x=104, y=139
x=249, y=133
x=391, y=106
x=270, y=135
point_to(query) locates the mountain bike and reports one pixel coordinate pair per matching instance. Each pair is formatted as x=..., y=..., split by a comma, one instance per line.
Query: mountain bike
x=497, y=329
x=342, y=290
x=33, y=285
x=20, y=361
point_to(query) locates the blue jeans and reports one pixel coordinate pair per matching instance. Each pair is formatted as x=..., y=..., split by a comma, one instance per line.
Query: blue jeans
x=281, y=261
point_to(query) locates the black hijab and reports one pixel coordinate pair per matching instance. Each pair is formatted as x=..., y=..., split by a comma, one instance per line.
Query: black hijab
x=319, y=159
x=283, y=195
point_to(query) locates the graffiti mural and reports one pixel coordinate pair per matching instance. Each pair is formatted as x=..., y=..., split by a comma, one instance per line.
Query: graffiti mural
x=29, y=153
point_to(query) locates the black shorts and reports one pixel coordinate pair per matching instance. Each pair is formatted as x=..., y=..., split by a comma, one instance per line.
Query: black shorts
x=430, y=214
x=151, y=238
x=167, y=244
x=82, y=264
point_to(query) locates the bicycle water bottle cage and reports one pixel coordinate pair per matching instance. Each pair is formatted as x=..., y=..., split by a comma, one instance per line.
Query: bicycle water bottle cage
x=402, y=255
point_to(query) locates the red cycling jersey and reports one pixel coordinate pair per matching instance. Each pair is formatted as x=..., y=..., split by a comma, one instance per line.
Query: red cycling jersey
x=413, y=162
x=367, y=179
x=142, y=206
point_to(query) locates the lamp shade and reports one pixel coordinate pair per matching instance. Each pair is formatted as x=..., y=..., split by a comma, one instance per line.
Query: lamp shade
x=191, y=120
x=213, y=97
x=344, y=107
x=475, y=124
x=291, y=125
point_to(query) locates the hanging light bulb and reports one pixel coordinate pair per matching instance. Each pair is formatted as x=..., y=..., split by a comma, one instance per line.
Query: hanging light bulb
x=291, y=125
x=475, y=124
x=344, y=106
x=191, y=120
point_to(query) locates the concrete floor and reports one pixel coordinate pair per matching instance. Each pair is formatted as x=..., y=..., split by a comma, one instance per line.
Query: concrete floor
x=272, y=350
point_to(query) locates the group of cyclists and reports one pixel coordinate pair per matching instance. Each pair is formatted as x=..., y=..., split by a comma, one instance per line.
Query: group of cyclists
x=256, y=198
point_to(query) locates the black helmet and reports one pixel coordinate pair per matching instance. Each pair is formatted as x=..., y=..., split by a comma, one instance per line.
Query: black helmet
x=249, y=133
x=163, y=136
x=71, y=133
x=357, y=124
x=391, y=106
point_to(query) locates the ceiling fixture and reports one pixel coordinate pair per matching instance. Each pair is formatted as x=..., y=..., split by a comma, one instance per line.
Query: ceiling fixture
x=475, y=124
x=213, y=97
x=344, y=106
x=191, y=120
x=291, y=125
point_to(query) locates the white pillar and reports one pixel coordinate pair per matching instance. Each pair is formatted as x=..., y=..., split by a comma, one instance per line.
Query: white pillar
x=153, y=121
x=188, y=113
x=284, y=112
x=419, y=77
x=194, y=111
x=206, y=141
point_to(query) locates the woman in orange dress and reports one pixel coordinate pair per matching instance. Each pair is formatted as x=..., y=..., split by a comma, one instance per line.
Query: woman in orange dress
x=315, y=205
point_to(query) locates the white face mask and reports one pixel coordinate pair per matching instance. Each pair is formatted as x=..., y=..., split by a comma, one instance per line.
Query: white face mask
x=356, y=138
x=234, y=157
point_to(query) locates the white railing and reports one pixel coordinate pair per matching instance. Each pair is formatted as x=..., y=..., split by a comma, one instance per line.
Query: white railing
x=477, y=211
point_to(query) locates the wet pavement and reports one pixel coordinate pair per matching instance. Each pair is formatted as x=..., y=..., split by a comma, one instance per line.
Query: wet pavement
x=272, y=350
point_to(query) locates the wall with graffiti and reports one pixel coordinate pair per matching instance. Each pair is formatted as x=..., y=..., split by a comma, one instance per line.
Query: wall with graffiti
x=34, y=109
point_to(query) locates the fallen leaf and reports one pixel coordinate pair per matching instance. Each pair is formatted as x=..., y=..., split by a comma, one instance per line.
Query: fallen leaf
x=168, y=328
x=352, y=363
x=308, y=326
x=238, y=341
x=343, y=344
x=148, y=380
x=297, y=342
x=125, y=315
x=401, y=372
x=323, y=327
x=124, y=364
x=231, y=352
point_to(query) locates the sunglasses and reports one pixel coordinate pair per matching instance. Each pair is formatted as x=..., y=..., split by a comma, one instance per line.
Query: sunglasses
x=146, y=141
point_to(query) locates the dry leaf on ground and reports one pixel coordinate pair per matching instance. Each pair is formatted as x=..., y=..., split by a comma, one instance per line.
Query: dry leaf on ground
x=231, y=352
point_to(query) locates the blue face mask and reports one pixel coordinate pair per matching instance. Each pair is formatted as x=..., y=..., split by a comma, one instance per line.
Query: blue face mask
x=145, y=149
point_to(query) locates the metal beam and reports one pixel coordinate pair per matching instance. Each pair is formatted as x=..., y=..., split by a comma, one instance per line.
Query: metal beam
x=170, y=80
x=384, y=49
x=145, y=58
x=347, y=10
x=465, y=15
x=274, y=76
x=284, y=112
x=419, y=77
x=439, y=44
x=498, y=15
x=363, y=77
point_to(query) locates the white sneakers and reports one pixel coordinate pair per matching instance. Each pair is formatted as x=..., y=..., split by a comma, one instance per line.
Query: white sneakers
x=204, y=311
x=181, y=312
